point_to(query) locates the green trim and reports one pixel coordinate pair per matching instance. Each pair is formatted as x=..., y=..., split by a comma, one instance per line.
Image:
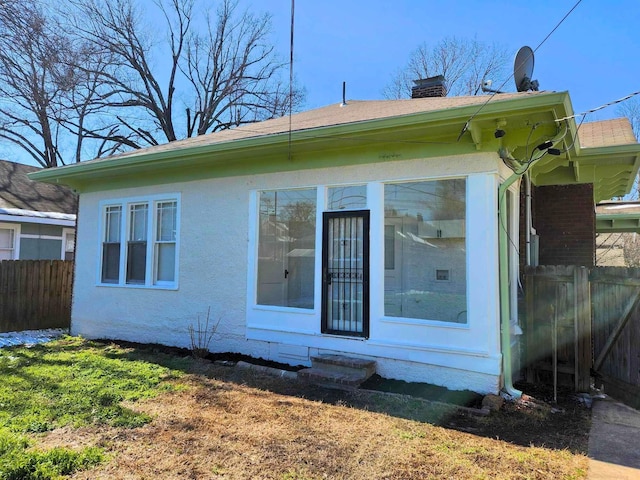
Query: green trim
x=430, y=134
x=247, y=156
x=612, y=170
x=618, y=223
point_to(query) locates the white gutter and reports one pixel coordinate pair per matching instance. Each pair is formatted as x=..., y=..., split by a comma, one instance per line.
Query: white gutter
x=32, y=216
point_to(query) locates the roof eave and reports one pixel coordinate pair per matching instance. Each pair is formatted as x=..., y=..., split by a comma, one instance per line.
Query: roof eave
x=77, y=174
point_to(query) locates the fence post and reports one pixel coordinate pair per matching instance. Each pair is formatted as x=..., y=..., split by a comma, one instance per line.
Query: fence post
x=530, y=280
x=582, y=329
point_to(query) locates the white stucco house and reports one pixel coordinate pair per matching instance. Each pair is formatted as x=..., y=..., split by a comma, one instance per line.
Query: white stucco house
x=385, y=230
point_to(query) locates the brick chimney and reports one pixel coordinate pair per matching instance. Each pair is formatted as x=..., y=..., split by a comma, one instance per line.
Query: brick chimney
x=429, y=87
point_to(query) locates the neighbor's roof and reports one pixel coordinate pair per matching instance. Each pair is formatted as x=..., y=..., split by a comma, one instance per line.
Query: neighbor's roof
x=618, y=207
x=17, y=191
x=606, y=133
x=618, y=216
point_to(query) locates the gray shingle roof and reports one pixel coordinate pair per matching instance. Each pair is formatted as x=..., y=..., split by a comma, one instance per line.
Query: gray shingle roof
x=353, y=112
x=606, y=133
x=18, y=191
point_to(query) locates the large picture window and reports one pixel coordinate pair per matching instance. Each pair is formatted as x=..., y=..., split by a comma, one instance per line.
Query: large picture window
x=425, y=253
x=143, y=261
x=286, y=248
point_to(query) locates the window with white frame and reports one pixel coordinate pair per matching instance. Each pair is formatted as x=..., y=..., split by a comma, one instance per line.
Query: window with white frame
x=286, y=248
x=139, y=239
x=69, y=244
x=425, y=250
x=8, y=243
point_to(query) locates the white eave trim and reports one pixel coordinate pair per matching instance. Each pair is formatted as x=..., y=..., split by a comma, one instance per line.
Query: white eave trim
x=32, y=216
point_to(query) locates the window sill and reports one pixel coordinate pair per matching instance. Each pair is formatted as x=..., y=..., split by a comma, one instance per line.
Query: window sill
x=138, y=287
x=280, y=309
x=425, y=323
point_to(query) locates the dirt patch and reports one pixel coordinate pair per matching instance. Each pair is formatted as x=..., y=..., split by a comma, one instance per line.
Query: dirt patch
x=237, y=424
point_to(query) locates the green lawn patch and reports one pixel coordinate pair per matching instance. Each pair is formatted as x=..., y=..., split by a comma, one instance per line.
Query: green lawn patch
x=18, y=462
x=68, y=382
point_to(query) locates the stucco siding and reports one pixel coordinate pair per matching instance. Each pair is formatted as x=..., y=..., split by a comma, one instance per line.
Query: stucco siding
x=217, y=268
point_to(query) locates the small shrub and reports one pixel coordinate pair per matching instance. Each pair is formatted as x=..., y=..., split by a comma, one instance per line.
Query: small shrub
x=202, y=334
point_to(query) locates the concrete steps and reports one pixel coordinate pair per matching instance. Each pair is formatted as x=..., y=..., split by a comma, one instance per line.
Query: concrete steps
x=337, y=371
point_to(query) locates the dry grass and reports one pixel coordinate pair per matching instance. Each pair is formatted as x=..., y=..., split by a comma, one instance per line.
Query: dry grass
x=240, y=425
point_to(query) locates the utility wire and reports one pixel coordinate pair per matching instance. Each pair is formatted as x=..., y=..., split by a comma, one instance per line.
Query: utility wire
x=466, y=125
x=614, y=102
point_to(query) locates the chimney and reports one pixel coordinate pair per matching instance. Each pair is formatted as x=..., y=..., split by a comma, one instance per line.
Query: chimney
x=429, y=87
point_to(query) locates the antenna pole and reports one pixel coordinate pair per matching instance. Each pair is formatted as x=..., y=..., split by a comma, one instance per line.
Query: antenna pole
x=293, y=6
x=344, y=94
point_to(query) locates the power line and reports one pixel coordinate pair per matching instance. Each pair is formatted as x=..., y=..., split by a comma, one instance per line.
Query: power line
x=466, y=125
x=614, y=102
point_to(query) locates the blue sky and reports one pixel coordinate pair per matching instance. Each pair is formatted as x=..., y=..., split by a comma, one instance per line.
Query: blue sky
x=594, y=54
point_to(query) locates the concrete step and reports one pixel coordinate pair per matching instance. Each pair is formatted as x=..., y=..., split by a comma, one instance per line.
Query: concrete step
x=342, y=363
x=325, y=378
x=337, y=371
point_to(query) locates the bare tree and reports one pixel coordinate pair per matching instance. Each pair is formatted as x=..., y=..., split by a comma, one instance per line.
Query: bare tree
x=93, y=78
x=195, y=74
x=463, y=63
x=35, y=78
x=631, y=110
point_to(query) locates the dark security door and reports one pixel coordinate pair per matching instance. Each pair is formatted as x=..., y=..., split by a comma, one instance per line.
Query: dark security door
x=345, y=273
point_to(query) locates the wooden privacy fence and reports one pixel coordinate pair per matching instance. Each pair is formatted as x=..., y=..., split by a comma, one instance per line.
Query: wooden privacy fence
x=35, y=294
x=581, y=323
x=615, y=294
x=558, y=327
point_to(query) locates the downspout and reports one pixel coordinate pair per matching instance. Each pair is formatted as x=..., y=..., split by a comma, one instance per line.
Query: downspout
x=505, y=294
x=527, y=216
x=503, y=259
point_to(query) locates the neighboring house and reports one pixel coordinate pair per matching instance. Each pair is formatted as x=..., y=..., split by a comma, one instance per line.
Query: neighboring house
x=377, y=229
x=617, y=229
x=37, y=220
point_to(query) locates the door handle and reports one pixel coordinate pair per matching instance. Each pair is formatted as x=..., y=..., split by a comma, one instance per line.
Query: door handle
x=286, y=273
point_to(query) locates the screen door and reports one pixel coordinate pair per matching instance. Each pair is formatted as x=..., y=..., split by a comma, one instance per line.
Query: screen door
x=345, y=272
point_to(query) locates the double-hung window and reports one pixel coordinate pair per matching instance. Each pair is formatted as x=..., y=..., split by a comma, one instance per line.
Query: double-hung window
x=111, y=245
x=139, y=241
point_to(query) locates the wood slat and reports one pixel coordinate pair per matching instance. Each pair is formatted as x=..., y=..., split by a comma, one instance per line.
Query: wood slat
x=35, y=294
x=606, y=323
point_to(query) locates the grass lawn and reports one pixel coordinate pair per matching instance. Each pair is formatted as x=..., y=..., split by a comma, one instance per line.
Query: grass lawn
x=93, y=410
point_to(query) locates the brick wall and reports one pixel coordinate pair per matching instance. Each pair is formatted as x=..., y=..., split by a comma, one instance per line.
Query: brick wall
x=429, y=87
x=429, y=91
x=564, y=218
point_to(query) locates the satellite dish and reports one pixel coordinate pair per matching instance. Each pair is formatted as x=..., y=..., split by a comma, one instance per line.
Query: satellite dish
x=523, y=70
